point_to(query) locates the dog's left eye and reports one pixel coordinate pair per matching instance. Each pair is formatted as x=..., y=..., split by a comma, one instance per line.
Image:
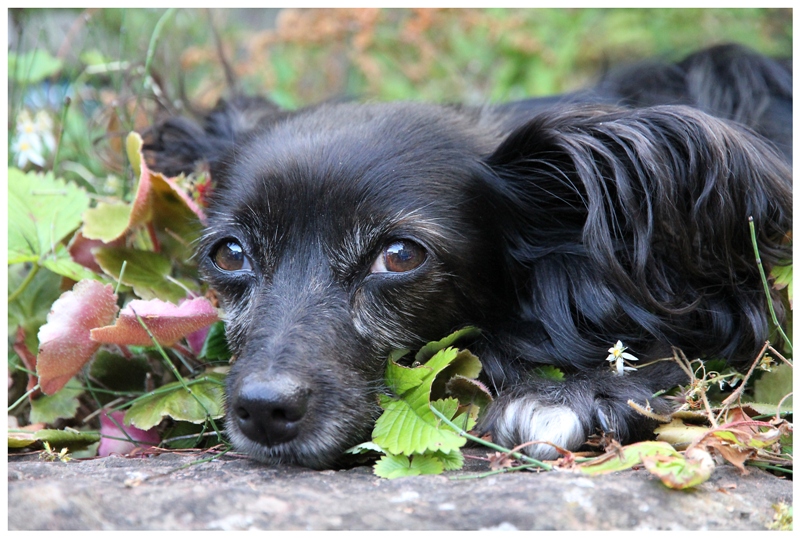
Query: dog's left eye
x=399, y=257
x=230, y=256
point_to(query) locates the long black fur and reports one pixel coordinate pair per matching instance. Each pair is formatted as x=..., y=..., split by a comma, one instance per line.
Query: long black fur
x=558, y=226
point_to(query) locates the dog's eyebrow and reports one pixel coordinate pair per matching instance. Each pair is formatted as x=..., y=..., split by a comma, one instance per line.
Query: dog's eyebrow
x=367, y=235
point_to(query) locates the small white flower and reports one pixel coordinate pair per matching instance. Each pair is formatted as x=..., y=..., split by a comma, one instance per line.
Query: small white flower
x=617, y=357
x=33, y=135
x=25, y=124
x=28, y=149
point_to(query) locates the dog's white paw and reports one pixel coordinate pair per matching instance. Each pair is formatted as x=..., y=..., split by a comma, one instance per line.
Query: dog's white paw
x=527, y=419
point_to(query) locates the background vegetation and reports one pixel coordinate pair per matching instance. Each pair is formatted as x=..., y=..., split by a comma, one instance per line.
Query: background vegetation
x=297, y=57
x=81, y=80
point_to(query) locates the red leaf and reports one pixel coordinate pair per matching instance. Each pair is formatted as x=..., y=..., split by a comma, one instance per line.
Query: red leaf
x=80, y=248
x=64, y=341
x=115, y=435
x=28, y=359
x=167, y=322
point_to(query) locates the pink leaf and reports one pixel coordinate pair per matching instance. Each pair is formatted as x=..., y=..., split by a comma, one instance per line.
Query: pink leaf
x=115, y=440
x=167, y=322
x=64, y=341
x=197, y=339
x=80, y=248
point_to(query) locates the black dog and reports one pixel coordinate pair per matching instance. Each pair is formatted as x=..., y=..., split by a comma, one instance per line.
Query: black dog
x=557, y=226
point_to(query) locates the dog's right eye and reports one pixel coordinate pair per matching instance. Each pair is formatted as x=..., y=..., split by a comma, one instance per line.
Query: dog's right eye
x=400, y=256
x=230, y=256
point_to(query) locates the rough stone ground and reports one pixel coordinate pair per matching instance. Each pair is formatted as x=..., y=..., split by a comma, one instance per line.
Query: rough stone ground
x=233, y=493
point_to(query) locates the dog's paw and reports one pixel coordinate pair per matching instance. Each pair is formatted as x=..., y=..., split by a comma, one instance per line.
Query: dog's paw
x=527, y=419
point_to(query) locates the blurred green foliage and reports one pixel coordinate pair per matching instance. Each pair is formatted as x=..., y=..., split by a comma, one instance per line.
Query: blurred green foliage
x=299, y=57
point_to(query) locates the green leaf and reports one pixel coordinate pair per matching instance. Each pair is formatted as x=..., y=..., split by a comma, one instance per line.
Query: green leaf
x=216, y=345
x=452, y=461
x=62, y=264
x=118, y=373
x=396, y=466
x=365, y=448
x=70, y=439
x=408, y=426
x=548, y=371
x=771, y=387
x=754, y=409
x=172, y=400
x=464, y=365
x=20, y=439
x=106, y=222
x=32, y=67
x=93, y=57
x=679, y=434
x=147, y=272
x=191, y=434
x=42, y=211
x=626, y=457
x=29, y=310
x=446, y=406
x=469, y=392
x=430, y=349
x=680, y=472
x=783, y=279
x=62, y=404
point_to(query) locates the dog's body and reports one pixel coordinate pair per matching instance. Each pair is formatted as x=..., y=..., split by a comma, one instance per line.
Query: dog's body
x=557, y=226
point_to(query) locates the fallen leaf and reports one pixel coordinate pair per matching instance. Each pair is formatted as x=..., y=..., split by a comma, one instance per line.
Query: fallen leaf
x=679, y=434
x=116, y=438
x=65, y=345
x=167, y=322
x=172, y=400
x=679, y=471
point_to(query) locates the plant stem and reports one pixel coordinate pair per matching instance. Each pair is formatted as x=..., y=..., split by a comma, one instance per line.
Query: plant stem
x=499, y=471
x=67, y=102
x=462, y=433
x=25, y=283
x=151, y=48
x=176, y=373
x=22, y=398
x=770, y=467
x=766, y=284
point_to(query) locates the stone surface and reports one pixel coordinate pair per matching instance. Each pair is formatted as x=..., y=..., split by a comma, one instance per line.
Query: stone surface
x=166, y=492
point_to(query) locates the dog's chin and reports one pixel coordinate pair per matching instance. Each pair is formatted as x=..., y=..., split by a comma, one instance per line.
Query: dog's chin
x=321, y=447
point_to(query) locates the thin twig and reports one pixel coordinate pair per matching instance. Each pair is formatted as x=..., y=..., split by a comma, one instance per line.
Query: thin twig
x=738, y=392
x=781, y=357
x=780, y=403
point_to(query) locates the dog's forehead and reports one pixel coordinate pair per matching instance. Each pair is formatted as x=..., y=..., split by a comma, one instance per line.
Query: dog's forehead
x=364, y=161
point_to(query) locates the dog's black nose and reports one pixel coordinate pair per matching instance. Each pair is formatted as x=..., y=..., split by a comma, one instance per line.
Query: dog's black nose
x=269, y=411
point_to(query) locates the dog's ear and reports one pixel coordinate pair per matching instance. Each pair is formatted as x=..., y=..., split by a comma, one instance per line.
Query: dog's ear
x=178, y=145
x=637, y=211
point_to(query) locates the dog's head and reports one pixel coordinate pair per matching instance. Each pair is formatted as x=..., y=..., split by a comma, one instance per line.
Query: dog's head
x=337, y=236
